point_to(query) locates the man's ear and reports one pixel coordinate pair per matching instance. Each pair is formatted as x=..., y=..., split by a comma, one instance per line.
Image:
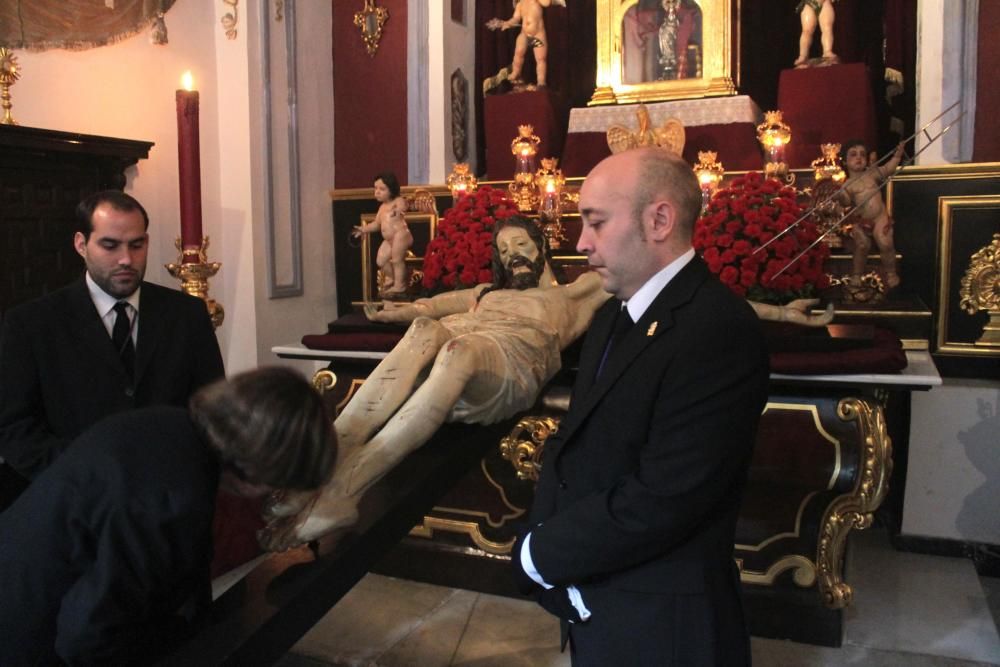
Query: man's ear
x=663, y=220
x=80, y=243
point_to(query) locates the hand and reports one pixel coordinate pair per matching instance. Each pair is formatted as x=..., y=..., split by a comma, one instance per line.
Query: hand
x=797, y=312
x=357, y=231
x=495, y=24
x=556, y=602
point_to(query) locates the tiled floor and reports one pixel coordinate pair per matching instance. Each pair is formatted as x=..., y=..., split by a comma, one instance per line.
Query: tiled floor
x=910, y=610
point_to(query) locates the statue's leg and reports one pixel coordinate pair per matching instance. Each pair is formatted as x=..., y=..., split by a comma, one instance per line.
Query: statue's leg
x=887, y=251
x=382, y=260
x=400, y=244
x=826, y=17
x=469, y=365
x=520, y=49
x=808, y=18
x=859, y=258
x=392, y=381
x=541, y=64
x=382, y=393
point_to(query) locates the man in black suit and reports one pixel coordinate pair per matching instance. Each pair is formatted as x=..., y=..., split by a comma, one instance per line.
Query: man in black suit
x=632, y=527
x=106, y=343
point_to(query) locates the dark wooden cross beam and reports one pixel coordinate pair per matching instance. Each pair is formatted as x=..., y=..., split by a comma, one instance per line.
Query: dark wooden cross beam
x=261, y=617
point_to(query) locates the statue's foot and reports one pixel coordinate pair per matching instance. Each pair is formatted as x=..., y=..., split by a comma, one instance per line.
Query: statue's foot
x=286, y=503
x=891, y=279
x=800, y=61
x=326, y=516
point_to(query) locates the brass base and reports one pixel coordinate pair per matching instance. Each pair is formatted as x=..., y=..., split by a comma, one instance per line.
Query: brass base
x=194, y=277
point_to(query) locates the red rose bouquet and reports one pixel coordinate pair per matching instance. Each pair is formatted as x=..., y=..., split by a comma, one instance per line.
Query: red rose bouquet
x=460, y=253
x=743, y=216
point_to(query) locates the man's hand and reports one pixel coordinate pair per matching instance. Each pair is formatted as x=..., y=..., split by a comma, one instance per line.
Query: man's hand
x=556, y=601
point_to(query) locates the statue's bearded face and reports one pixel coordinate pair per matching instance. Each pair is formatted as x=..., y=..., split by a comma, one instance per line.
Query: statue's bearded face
x=522, y=259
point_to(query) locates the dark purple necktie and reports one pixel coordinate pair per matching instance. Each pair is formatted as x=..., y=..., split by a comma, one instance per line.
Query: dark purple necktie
x=623, y=322
x=121, y=337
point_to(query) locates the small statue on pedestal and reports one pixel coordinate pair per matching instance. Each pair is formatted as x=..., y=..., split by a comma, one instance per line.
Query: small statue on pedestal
x=812, y=12
x=527, y=16
x=871, y=219
x=396, y=236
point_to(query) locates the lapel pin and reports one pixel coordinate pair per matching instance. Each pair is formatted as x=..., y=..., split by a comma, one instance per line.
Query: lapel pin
x=652, y=329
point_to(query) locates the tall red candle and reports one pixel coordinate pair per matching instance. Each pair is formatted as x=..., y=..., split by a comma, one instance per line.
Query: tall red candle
x=189, y=170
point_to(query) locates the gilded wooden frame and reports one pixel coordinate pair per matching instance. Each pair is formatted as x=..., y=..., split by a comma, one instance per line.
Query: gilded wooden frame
x=719, y=56
x=954, y=212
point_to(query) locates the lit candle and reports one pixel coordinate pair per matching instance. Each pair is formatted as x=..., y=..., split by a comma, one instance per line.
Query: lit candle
x=189, y=168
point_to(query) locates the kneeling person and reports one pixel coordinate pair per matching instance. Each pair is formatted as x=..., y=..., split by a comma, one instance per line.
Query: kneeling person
x=105, y=558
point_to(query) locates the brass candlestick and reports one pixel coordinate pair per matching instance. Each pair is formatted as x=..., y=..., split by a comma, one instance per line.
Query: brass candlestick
x=9, y=74
x=194, y=279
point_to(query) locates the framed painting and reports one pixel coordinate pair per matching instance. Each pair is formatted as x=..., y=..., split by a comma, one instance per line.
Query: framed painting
x=654, y=50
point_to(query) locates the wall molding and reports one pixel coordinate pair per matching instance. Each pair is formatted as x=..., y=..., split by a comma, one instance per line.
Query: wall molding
x=294, y=287
x=417, y=103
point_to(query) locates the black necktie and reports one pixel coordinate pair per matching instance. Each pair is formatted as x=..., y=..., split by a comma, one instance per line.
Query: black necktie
x=623, y=322
x=121, y=337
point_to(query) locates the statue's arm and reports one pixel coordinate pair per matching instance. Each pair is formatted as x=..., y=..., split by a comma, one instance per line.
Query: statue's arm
x=436, y=307
x=796, y=312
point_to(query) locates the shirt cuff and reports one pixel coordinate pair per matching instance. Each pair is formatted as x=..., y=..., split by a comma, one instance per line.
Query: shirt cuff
x=529, y=566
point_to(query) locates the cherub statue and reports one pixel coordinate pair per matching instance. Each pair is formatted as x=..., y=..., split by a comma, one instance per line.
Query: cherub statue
x=396, y=236
x=861, y=190
x=812, y=12
x=527, y=16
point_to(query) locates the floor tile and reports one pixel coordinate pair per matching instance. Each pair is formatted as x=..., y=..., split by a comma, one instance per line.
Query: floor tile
x=510, y=633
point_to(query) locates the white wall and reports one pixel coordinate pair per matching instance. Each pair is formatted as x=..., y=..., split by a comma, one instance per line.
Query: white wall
x=953, y=475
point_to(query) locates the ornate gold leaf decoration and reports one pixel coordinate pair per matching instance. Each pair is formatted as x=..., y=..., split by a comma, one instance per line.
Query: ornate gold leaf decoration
x=526, y=454
x=230, y=19
x=670, y=135
x=980, y=290
x=854, y=510
x=370, y=21
x=9, y=74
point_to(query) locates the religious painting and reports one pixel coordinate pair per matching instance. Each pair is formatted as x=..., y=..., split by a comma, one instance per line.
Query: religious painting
x=653, y=50
x=423, y=226
x=78, y=24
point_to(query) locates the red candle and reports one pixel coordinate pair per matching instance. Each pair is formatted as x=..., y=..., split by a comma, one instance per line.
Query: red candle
x=189, y=169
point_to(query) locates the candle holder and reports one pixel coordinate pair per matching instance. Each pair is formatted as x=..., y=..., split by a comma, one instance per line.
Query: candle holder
x=549, y=181
x=194, y=277
x=774, y=135
x=461, y=181
x=709, y=172
x=9, y=74
x=827, y=165
x=524, y=147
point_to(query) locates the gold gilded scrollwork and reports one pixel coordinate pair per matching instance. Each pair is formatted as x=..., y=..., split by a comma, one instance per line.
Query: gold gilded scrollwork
x=524, y=454
x=370, y=21
x=324, y=380
x=854, y=510
x=981, y=290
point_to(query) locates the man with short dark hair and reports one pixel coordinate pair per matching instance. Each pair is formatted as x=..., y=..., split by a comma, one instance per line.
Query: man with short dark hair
x=632, y=526
x=105, y=343
x=104, y=560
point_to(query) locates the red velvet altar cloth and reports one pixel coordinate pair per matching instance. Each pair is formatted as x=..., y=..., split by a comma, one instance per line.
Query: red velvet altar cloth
x=826, y=105
x=544, y=110
x=884, y=355
x=726, y=125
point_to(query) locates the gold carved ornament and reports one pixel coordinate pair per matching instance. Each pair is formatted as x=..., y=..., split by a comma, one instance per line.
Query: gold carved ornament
x=980, y=290
x=524, y=445
x=9, y=74
x=854, y=510
x=670, y=135
x=370, y=21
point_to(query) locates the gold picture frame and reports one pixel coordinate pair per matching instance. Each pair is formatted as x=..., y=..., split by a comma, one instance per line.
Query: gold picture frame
x=628, y=69
x=956, y=330
x=423, y=226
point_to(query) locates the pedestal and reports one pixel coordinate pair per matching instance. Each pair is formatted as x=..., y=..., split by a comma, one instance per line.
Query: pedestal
x=544, y=110
x=722, y=124
x=826, y=105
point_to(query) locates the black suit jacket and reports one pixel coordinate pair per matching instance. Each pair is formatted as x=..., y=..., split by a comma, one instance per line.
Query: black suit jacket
x=60, y=373
x=641, y=485
x=106, y=555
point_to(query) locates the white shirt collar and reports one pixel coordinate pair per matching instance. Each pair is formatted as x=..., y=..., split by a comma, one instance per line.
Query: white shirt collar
x=104, y=302
x=645, y=295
